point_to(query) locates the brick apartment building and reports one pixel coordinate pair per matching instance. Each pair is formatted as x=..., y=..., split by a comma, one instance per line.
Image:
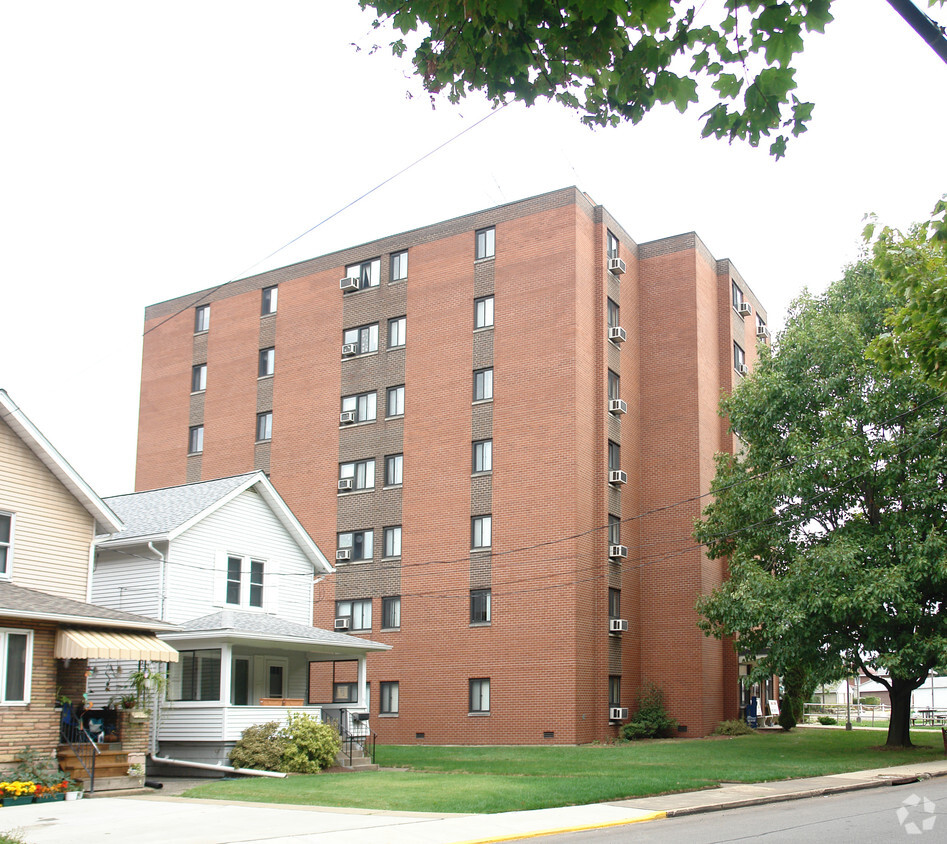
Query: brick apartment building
x=499, y=426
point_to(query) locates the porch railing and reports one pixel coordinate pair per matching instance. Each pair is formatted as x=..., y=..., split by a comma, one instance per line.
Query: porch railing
x=73, y=733
x=354, y=732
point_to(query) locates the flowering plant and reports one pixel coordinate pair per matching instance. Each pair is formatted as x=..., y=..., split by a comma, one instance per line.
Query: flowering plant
x=17, y=788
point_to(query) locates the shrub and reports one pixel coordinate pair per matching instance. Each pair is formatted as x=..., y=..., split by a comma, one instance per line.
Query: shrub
x=786, y=719
x=310, y=745
x=733, y=728
x=827, y=720
x=261, y=747
x=871, y=701
x=38, y=767
x=651, y=720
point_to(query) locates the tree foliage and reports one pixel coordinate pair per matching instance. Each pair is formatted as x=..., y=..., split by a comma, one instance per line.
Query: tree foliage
x=833, y=518
x=614, y=60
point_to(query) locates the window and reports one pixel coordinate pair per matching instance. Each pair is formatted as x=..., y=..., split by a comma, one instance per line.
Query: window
x=201, y=318
x=611, y=244
x=363, y=405
x=614, y=603
x=6, y=543
x=483, y=312
x=614, y=455
x=234, y=566
x=256, y=584
x=199, y=378
x=344, y=692
x=736, y=294
x=394, y=467
x=367, y=273
x=16, y=659
x=480, y=694
x=614, y=690
x=268, y=306
x=362, y=473
x=480, y=606
x=399, y=266
x=360, y=613
x=614, y=530
x=486, y=243
x=396, y=329
x=396, y=401
x=267, y=364
x=614, y=385
x=241, y=571
x=264, y=426
x=739, y=358
x=359, y=542
x=195, y=439
x=483, y=456
x=483, y=384
x=391, y=612
x=393, y=541
x=364, y=337
x=481, y=530
x=388, y=705
x=614, y=314
x=196, y=675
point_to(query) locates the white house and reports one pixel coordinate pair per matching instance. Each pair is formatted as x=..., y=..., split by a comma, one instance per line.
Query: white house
x=228, y=563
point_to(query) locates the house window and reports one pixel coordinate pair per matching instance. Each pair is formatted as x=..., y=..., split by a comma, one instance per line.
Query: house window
x=736, y=294
x=483, y=384
x=486, y=243
x=480, y=610
x=483, y=312
x=240, y=571
x=360, y=613
x=196, y=675
x=391, y=612
x=393, y=541
x=614, y=603
x=614, y=385
x=256, y=584
x=614, y=455
x=396, y=332
x=362, y=473
x=396, y=401
x=483, y=456
x=344, y=692
x=359, y=542
x=481, y=530
x=614, y=530
x=363, y=405
x=16, y=659
x=6, y=543
x=613, y=313
x=364, y=338
x=480, y=694
x=234, y=572
x=614, y=690
x=268, y=305
x=264, y=426
x=199, y=378
x=611, y=244
x=399, y=266
x=195, y=439
x=267, y=364
x=201, y=318
x=388, y=705
x=368, y=273
x=394, y=468
x=739, y=358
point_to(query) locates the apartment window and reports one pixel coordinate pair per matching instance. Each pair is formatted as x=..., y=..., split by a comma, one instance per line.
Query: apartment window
x=362, y=405
x=344, y=692
x=611, y=244
x=614, y=690
x=368, y=273
x=483, y=456
x=16, y=659
x=480, y=610
x=363, y=337
x=195, y=439
x=483, y=384
x=388, y=704
x=6, y=543
x=201, y=318
x=268, y=305
x=481, y=531
x=614, y=455
x=264, y=426
x=480, y=694
x=358, y=542
x=360, y=613
x=399, y=266
x=614, y=385
x=486, y=243
x=391, y=612
x=483, y=312
x=394, y=469
x=396, y=401
x=614, y=314
x=736, y=294
x=267, y=363
x=244, y=585
x=760, y=326
x=396, y=332
x=614, y=530
x=739, y=357
x=199, y=378
x=361, y=472
x=614, y=603
x=196, y=675
x=393, y=541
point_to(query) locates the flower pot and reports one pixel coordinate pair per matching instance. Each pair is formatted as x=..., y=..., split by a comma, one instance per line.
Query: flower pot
x=25, y=800
x=73, y=795
x=49, y=798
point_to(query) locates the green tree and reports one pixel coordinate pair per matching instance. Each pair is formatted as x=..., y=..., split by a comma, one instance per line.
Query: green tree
x=614, y=60
x=833, y=516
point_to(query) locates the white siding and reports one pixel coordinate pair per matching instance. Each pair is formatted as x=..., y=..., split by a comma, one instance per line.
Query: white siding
x=213, y=722
x=128, y=580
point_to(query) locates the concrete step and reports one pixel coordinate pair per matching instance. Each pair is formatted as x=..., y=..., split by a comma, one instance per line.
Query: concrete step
x=112, y=784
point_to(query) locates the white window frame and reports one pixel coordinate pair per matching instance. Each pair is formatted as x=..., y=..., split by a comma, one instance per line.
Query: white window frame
x=268, y=300
x=6, y=546
x=612, y=244
x=485, y=243
x=397, y=327
x=363, y=336
x=389, y=601
x=5, y=633
x=368, y=273
x=199, y=378
x=264, y=426
x=481, y=531
x=485, y=598
x=359, y=610
x=478, y=695
x=736, y=295
x=482, y=456
x=201, y=319
x=397, y=461
x=346, y=539
x=739, y=356
x=246, y=581
x=388, y=695
x=483, y=384
x=266, y=362
x=195, y=439
x=392, y=536
x=362, y=473
x=483, y=312
x=364, y=405
x=399, y=266
x=394, y=401
x=176, y=685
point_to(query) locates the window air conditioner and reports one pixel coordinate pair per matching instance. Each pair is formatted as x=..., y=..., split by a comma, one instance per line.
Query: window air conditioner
x=346, y=483
x=349, y=349
x=617, y=552
x=616, y=265
x=617, y=476
x=342, y=622
x=343, y=554
x=618, y=713
x=617, y=625
x=743, y=369
x=617, y=334
x=762, y=332
x=348, y=283
x=744, y=309
x=347, y=417
x=617, y=406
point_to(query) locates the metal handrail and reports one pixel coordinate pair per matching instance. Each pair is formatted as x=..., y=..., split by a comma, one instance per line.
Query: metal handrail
x=350, y=740
x=73, y=733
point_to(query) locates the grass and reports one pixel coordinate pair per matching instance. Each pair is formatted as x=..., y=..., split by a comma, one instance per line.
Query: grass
x=499, y=779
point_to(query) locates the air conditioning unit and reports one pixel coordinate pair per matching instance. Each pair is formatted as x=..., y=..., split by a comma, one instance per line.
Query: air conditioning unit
x=617, y=476
x=743, y=369
x=617, y=552
x=762, y=332
x=617, y=406
x=617, y=334
x=349, y=349
x=617, y=625
x=342, y=622
x=618, y=713
x=348, y=283
x=347, y=417
x=744, y=309
x=343, y=554
x=616, y=265
x=346, y=483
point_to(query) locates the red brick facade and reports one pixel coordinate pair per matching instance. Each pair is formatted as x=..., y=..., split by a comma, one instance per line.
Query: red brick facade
x=547, y=650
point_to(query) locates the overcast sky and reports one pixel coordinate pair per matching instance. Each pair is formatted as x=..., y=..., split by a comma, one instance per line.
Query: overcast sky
x=151, y=150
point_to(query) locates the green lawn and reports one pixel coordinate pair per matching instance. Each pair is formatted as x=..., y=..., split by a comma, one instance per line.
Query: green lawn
x=499, y=779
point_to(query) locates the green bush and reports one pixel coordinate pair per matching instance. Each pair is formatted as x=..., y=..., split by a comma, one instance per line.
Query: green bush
x=827, y=720
x=871, y=700
x=786, y=719
x=651, y=720
x=310, y=745
x=733, y=728
x=260, y=747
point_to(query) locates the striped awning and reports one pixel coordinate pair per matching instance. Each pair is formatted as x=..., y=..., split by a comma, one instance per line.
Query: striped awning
x=107, y=644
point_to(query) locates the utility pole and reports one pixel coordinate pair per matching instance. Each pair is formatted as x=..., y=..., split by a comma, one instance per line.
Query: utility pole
x=925, y=26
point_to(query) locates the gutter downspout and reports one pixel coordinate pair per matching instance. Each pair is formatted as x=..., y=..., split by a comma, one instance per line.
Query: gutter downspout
x=206, y=766
x=153, y=739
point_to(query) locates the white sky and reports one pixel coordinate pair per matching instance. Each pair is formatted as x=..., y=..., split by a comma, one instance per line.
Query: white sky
x=149, y=150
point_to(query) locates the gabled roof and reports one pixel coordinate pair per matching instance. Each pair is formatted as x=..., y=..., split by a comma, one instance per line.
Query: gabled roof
x=161, y=515
x=18, y=422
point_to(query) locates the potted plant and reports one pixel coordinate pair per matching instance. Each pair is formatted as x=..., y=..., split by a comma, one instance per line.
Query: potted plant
x=74, y=790
x=128, y=701
x=17, y=792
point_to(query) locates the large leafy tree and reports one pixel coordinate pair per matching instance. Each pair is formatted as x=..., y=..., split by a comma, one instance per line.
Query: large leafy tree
x=834, y=516
x=614, y=60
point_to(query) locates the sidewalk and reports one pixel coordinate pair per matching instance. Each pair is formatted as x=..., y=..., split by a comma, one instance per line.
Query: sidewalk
x=160, y=816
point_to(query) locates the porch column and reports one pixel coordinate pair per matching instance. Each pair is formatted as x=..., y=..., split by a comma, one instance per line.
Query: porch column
x=226, y=671
x=362, y=681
